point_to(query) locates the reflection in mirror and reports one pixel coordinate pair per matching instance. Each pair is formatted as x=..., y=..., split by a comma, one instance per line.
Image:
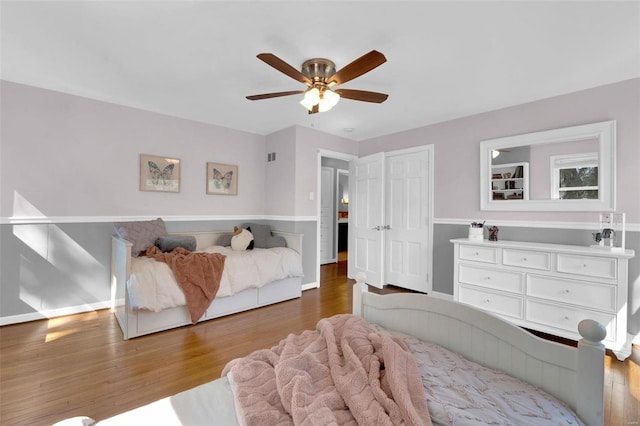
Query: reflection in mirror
x=343, y=193
x=569, y=169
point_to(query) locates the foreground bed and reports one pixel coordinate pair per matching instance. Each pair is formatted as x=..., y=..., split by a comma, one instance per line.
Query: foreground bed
x=572, y=375
x=138, y=322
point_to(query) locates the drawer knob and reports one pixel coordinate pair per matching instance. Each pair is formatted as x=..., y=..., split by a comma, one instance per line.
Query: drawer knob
x=487, y=278
x=476, y=254
x=487, y=301
x=584, y=265
x=566, y=291
x=566, y=318
x=524, y=259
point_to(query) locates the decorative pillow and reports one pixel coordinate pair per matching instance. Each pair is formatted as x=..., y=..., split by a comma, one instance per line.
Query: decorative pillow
x=224, y=240
x=261, y=233
x=141, y=234
x=169, y=242
x=276, y=241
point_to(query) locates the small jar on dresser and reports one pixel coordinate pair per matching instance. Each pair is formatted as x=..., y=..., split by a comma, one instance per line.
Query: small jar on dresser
x=546, y=287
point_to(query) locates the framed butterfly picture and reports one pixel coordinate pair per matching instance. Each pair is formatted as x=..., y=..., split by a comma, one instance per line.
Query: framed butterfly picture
x=222, y=179
x=160, y=174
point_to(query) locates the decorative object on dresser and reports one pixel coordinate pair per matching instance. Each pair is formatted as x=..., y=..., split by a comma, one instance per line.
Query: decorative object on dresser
x=476, y=231
x=493, y=233
x=611, y=233
x=546, y=287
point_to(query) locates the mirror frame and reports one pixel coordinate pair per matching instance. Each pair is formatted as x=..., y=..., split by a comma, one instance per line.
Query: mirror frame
x=604, y=131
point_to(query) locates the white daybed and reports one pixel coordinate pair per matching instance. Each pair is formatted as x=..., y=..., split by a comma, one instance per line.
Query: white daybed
x=572, y=375
x=139, y=322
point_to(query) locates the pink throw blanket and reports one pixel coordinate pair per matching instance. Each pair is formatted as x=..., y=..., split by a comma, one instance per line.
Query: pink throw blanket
x=344, y=372
x=198, y=274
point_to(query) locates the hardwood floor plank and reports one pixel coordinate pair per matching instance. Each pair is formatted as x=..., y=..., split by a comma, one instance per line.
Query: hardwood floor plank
x=80, y=365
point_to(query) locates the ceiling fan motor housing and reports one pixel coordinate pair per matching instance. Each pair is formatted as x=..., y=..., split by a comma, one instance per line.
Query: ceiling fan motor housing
x=318, y=69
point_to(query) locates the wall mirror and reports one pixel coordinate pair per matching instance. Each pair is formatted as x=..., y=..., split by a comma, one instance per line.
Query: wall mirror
x=567, y=169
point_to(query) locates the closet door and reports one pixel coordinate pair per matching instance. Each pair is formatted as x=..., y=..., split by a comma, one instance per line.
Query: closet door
x=390, y=218
x=366, y=215
x=407, y=245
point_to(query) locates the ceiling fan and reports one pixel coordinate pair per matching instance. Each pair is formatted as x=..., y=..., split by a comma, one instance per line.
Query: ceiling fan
x=320, y=76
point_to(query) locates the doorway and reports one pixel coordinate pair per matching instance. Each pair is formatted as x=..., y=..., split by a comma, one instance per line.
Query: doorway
x=333, y=207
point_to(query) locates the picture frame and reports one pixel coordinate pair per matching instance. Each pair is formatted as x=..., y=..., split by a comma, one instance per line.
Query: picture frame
x=222, y=179
x=159, y=174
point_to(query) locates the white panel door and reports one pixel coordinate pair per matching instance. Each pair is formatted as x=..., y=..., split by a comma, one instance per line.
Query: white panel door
x=366, y=218
x=407, y=215
x=327, y=215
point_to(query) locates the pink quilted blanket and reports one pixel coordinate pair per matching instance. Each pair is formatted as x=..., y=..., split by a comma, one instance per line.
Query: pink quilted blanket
x=344, y=372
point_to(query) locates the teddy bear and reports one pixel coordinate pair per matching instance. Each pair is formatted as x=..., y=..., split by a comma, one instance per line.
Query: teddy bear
x=242, y=239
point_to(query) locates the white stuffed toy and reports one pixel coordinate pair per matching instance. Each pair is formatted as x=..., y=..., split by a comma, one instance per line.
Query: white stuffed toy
x=242, y=239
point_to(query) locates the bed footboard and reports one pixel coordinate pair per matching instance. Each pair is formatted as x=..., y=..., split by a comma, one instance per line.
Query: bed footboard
x=575, y=376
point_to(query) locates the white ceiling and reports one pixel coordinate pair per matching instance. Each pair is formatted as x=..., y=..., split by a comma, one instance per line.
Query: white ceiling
x=196, y=59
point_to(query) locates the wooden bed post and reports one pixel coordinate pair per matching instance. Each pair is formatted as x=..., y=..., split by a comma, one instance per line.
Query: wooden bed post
x=591, y=351
x=358, y=288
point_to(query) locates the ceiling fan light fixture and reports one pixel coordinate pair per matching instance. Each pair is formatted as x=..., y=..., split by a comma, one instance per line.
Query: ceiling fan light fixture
x=328, y=100
x=311, y=98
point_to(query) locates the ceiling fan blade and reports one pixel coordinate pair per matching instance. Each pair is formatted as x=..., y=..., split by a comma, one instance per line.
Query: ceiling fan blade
x=362, y=95
x=273, y=95
x=362, y=65
x=283, y=67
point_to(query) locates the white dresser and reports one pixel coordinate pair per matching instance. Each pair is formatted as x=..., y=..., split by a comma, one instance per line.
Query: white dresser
x=546, y=287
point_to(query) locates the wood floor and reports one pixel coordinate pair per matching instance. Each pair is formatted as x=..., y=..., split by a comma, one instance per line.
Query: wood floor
x=79, y=364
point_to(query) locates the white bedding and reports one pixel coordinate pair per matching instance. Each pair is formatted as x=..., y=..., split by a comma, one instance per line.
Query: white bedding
x=152, y=285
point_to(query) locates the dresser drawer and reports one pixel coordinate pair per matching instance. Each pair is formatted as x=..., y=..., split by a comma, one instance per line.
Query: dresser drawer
x=479, y=254
x=526, y=259
x=491, y=278
x=589, y=295
x=567, y=318
x=502, y=304
x=601, y=267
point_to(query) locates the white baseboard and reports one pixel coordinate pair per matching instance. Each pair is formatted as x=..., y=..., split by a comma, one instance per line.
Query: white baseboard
x=309, y=286
x=52, y=313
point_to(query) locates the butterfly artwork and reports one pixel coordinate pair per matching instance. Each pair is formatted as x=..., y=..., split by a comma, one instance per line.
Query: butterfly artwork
x=159, y=174
x=221, y=179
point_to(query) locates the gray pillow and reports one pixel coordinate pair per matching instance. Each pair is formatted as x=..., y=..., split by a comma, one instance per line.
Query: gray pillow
x=276, y=241
x=169, y=242
x=142, y=234
x=224, y=240
x=261, y=234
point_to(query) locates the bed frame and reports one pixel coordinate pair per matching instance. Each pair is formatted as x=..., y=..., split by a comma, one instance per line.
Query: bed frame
x=136, y=323
x=573, y=375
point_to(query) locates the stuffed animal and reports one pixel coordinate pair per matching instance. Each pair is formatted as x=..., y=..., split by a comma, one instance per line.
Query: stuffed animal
x=242, y=239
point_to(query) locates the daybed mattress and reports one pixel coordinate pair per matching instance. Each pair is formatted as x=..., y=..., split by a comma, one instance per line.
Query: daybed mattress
x=152, y=285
